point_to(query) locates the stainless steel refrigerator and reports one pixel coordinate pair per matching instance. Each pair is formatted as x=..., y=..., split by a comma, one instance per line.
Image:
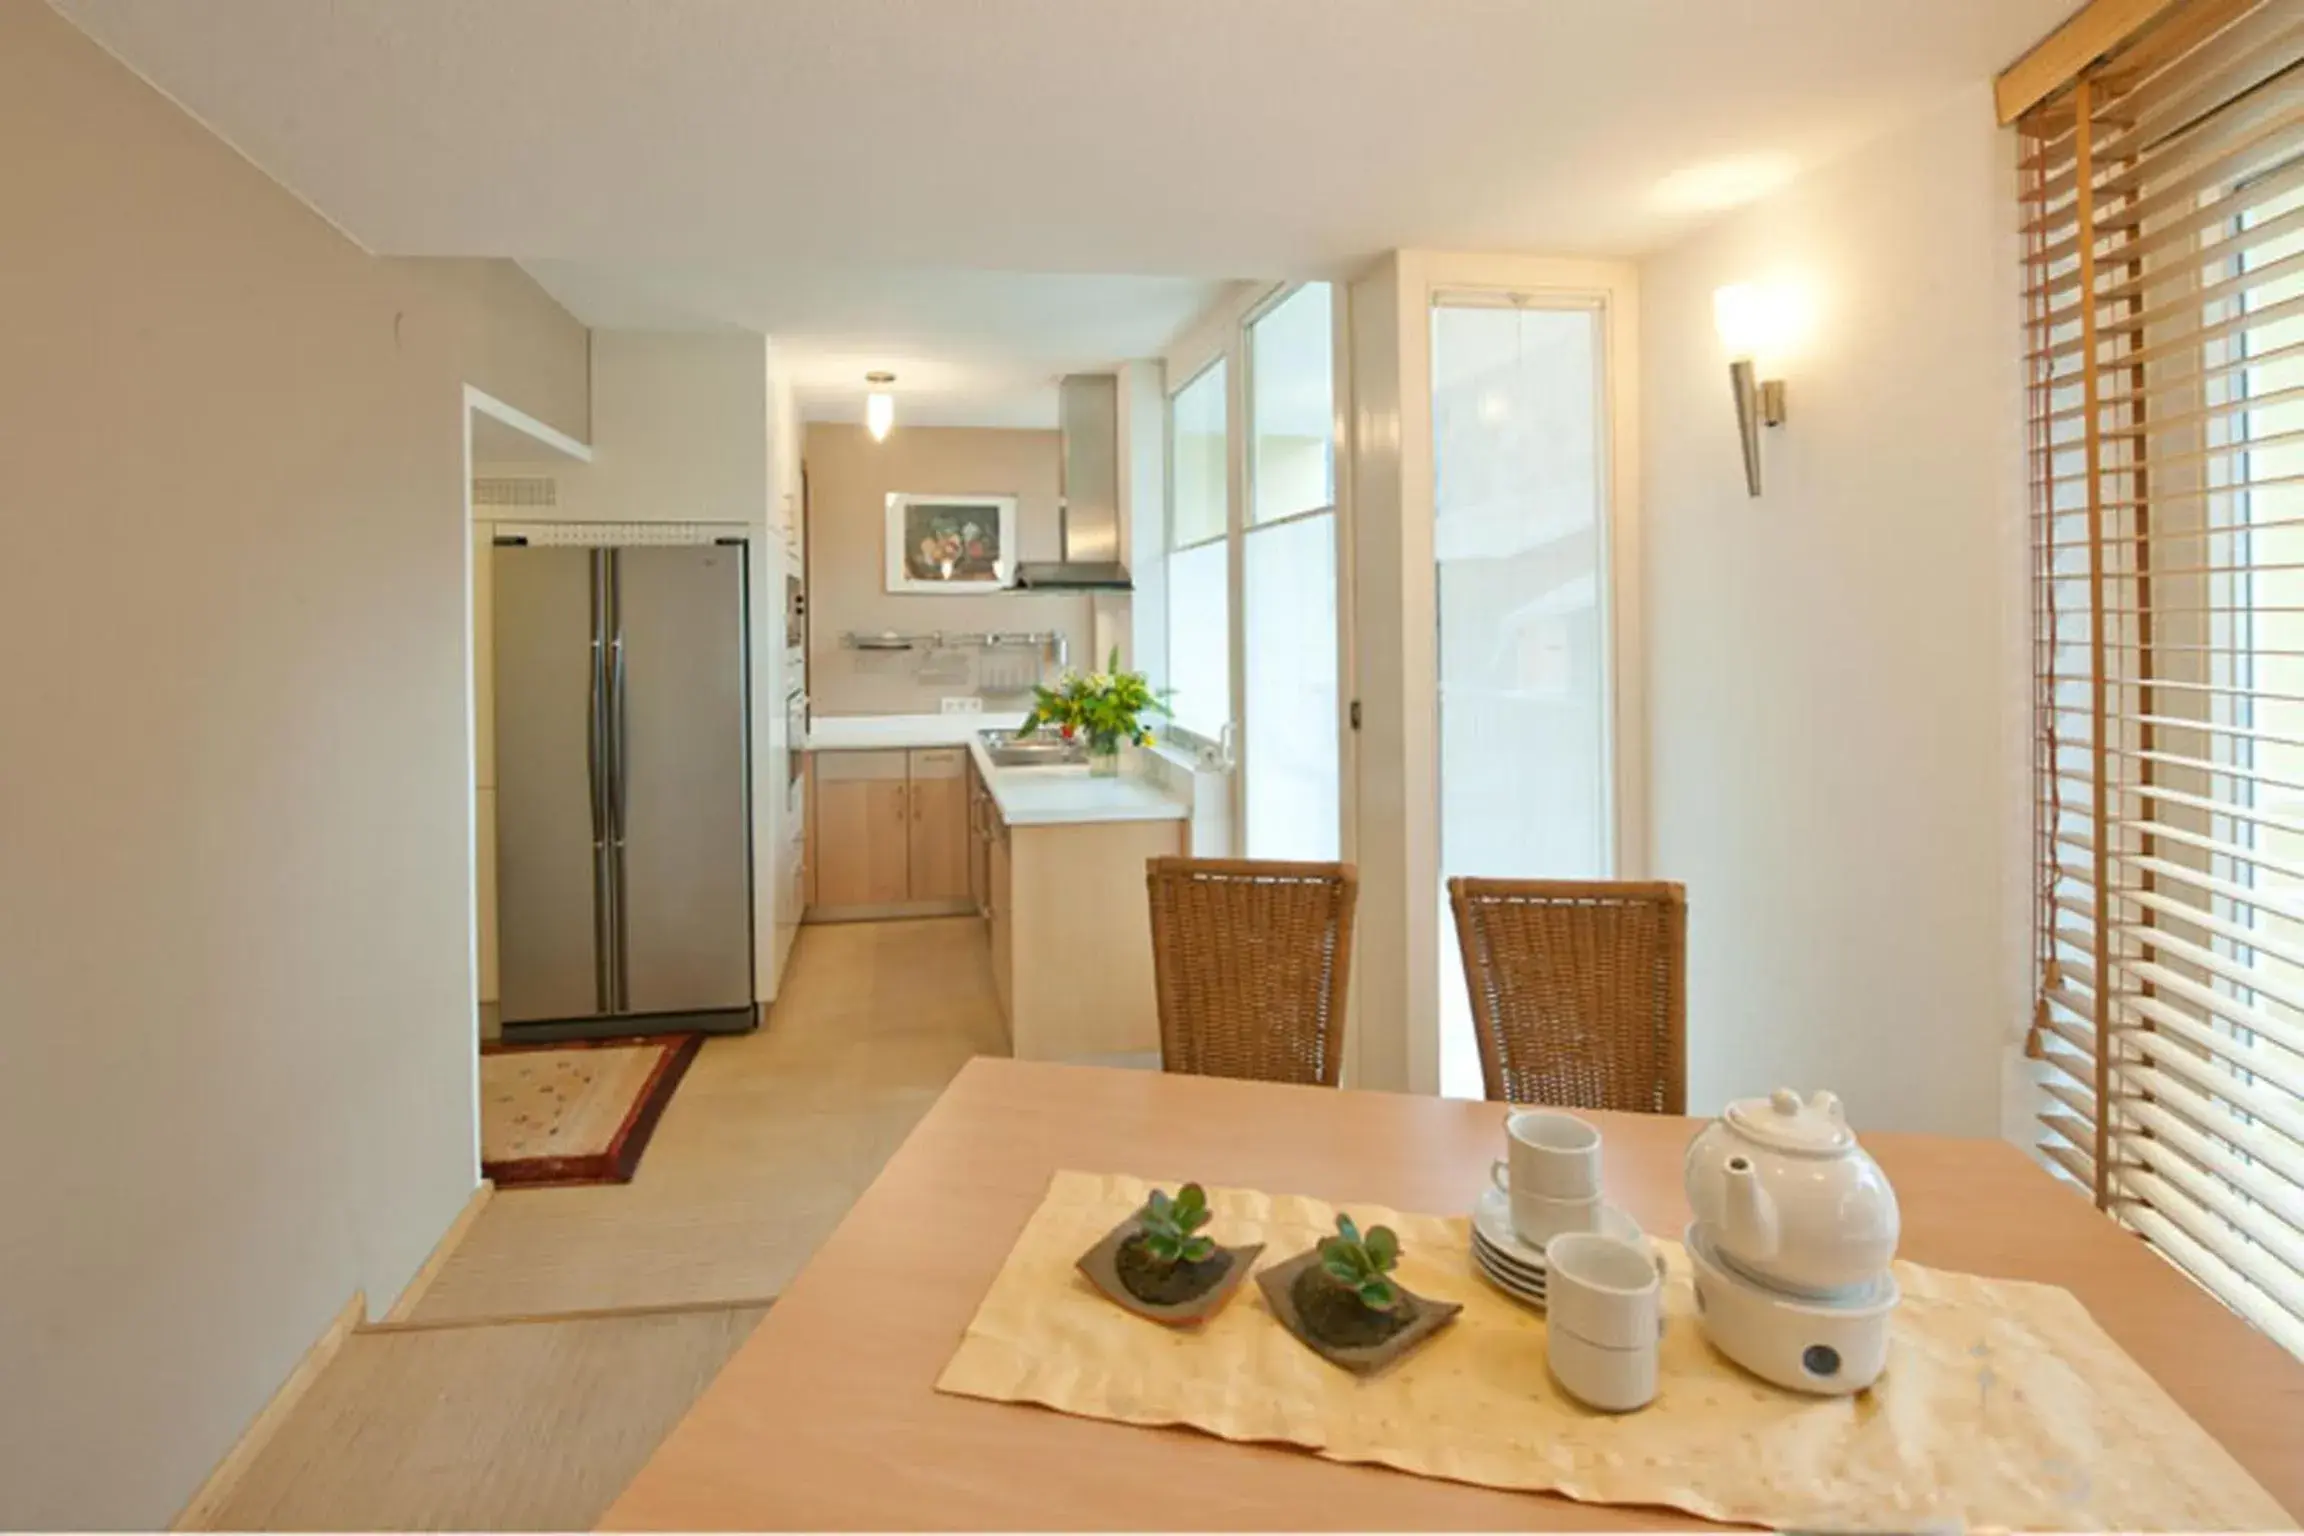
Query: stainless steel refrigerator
x=623, y=790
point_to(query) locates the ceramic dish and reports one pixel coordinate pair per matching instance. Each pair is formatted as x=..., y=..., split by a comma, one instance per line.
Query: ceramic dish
x=1492, y=1219
x=1526, y=1274
x=1516, y=1289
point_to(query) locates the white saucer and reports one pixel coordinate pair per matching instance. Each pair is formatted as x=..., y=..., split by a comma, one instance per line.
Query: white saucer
x=1531, y=1273
x=1518, y=1290
x=1492, y=1219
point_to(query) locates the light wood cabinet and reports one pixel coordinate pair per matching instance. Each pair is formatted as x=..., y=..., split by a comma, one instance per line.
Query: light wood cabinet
x=863, y=829
x=939, y=830
x=999, y=884
x=980, y=812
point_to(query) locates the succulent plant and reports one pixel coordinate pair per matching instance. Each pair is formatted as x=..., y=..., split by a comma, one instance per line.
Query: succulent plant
x=1362, y=1263
x=1170, y=1227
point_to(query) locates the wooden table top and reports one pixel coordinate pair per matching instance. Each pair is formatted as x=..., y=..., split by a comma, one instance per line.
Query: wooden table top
x=828, y=1416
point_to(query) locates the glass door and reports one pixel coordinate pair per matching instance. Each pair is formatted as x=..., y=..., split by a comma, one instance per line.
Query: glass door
x=1519, y=424
x=1288, y=651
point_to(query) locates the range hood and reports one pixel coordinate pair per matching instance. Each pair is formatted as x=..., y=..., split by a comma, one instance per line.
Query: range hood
x=1088, y=410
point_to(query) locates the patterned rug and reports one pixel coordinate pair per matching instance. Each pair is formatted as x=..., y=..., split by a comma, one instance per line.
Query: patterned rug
x=580, y=1112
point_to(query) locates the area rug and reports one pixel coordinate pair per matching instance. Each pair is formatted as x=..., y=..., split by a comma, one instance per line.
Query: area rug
x=580, y=1112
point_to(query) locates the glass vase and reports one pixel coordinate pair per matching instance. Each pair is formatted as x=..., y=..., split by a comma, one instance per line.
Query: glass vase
x=1104, y=757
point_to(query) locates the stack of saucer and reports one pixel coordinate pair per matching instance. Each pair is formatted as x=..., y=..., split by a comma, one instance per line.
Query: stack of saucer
x=1516, y=1266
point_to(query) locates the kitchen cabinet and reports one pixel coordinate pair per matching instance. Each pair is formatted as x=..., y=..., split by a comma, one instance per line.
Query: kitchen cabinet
x=980, y=814
x=890, y=833
x=863, y=829
x=938, y=793
x=999, y=883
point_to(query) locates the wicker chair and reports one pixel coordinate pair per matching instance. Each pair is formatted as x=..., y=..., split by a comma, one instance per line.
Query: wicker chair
x=1579, y=995
x=1249, y=959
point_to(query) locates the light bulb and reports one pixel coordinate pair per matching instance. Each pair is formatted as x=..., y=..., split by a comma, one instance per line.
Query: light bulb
x=879, y=414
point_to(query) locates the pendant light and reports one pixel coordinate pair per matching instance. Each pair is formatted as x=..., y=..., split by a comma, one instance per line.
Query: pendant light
x=879, y=406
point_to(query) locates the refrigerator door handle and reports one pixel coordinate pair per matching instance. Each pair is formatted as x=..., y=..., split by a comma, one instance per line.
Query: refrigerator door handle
x=620, y=965
x=597, y=770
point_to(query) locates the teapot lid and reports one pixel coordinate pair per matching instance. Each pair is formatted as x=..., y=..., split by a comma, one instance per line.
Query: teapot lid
x=1817, y=1127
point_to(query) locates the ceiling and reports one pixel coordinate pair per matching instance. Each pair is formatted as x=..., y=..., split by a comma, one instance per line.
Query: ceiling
x=892, y=181
x=969, y=349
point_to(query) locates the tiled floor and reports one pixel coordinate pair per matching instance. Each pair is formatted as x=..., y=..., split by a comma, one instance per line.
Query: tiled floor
x=466, y=1419
x=769, y=1140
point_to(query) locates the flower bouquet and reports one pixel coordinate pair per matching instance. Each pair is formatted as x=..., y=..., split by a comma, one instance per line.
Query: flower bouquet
x=1106, y=708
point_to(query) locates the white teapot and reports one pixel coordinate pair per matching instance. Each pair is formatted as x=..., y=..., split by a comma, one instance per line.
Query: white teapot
x=1781, y=1190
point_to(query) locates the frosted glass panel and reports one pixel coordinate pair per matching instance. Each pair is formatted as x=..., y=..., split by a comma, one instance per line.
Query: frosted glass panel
x=1290, y=639
x=1519, y=505
x=1196, y=460
x=1199, y=638
x=1291, y=407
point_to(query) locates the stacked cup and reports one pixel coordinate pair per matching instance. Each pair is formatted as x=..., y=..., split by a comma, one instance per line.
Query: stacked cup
x=1600, y=1335
x=1552, y=1176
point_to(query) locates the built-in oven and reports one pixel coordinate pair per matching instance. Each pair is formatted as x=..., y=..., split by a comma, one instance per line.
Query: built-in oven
x=796, y=741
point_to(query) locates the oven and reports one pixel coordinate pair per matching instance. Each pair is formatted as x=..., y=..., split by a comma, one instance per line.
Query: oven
x=795, y=745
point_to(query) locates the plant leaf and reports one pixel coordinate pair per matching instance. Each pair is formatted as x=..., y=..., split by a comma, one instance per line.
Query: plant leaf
x=1159, y=1204
x=1198, y=1248
x=1163, y=1246
x=1379, y=1295
x=1383, y=1248
x=1347, y=1229
x=1340, y=1270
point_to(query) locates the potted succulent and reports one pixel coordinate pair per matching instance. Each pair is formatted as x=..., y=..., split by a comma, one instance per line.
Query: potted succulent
x=1105, y=709
x=1340, y=1298
x=1159, y=1264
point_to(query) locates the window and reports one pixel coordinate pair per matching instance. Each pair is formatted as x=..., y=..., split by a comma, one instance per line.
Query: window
x=2164, y=220
x=1288, y=583
x=1199, y=566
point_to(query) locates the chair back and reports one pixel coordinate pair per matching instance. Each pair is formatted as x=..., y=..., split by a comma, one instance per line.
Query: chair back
x=1250, y=958
x=1579, y=995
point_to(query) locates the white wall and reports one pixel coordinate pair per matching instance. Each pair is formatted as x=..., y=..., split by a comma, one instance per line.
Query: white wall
x=1837, y=671
x=849, y=480
x=236, y=1053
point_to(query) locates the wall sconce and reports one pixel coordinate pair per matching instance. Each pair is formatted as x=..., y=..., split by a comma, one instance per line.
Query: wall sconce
x=879, y=406
x=1751, y=319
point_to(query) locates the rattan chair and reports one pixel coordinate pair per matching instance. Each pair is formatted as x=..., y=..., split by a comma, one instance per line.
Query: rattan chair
x=1579, y=996
x=1249, y=958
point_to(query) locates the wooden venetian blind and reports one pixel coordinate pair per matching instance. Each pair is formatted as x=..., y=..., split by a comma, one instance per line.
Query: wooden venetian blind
x=2163, y=216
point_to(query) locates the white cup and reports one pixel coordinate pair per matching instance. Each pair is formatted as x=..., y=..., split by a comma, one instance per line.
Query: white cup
x=1539, y=1220
x=1602, y=1289
x=1552, y=1154
x=1612, y=1380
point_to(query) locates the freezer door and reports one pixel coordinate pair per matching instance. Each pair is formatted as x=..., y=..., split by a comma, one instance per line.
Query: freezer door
x=680, y=810
x=552, y=917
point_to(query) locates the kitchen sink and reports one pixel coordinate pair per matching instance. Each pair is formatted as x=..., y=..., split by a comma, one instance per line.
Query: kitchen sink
x=1009, y=750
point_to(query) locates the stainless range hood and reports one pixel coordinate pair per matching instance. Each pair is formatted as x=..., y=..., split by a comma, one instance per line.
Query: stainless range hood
x=1088, y=410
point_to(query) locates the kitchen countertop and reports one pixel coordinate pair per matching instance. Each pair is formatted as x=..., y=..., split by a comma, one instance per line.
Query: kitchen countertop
x=1026, y=797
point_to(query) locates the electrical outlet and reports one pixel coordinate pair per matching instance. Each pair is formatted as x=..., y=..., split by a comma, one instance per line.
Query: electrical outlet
x=970, y=705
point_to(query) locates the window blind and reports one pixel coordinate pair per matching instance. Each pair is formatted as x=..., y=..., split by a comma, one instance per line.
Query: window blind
x=2163, y=222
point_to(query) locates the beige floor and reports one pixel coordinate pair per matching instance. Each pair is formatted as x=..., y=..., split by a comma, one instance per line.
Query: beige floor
x=769, y=1140
x=464, y=1419
x=511, y=1426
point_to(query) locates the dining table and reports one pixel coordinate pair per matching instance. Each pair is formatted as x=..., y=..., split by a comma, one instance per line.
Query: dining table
x=828, y=1416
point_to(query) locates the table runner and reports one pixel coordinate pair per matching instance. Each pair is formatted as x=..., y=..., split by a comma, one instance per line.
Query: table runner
x=2004, y=1404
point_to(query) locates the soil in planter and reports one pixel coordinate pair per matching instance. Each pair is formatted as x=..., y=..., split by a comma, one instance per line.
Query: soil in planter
x=1335, y=1315
x=1166, y=1285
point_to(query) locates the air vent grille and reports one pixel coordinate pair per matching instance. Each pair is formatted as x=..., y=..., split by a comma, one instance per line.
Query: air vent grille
x=515, y=491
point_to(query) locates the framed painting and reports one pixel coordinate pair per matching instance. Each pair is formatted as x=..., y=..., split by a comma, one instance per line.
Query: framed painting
x=952, y=544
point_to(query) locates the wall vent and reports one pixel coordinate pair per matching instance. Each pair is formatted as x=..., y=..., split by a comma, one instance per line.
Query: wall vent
x=515, y=491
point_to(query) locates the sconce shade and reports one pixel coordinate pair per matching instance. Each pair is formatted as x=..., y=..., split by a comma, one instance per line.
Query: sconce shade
x=1748, y=318
x=879, y=406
